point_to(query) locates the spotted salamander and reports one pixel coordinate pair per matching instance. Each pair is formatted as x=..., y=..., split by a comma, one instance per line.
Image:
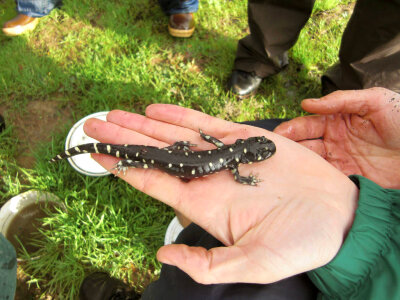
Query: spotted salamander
x=179, y=160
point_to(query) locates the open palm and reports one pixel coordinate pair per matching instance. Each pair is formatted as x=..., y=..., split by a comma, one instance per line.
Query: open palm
x=356, y=131
x=293, y=221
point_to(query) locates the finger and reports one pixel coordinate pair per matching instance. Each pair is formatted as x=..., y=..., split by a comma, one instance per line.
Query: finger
x=354, y=101
x=303, y=128
x=214, y=266
x=107, y=132
x=159, y=130
x=189, y=118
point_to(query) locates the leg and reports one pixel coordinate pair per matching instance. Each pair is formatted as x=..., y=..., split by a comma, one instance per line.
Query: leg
x=180, y=146
x=172, y=7
x=36, y=9
x=251, y=180
x=274, y=29
x=370, y=50
x=124, y=164
x=175, y=284
x=212, y=140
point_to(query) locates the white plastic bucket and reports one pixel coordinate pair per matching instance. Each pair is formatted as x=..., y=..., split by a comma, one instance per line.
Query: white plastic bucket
x=22, y=211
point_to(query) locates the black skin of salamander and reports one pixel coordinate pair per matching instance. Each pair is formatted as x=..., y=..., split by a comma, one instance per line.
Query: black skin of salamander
x=179, y=160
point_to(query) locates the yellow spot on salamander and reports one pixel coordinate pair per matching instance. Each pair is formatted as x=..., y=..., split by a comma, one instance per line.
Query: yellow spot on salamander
x=77, y=149
x=108, y=149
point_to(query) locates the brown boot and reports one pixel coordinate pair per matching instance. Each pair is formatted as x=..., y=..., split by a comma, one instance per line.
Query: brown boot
x=181, y=25
x=19, y=25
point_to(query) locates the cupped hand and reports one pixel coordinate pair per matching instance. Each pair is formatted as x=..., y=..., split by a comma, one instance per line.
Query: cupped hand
x=356, y=131
x=293, y=221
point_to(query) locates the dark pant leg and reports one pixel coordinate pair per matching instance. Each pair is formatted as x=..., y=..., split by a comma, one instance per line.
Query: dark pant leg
x=175, y=284
x=268, y=124
x=370, y=49
x=274, y=28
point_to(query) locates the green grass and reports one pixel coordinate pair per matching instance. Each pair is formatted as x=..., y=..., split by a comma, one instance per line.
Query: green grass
x=100, y=55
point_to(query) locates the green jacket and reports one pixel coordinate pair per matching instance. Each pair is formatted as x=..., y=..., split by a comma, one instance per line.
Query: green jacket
x=367, y=266
x=8, y=269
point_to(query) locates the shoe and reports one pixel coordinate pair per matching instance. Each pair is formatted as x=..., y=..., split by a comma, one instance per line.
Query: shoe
x=243, y=84
x=19, y=25
x=100, y=286
x=331, y=80
x=181, y=25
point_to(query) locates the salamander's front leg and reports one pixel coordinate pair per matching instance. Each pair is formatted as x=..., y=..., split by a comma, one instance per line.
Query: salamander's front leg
x=211, y=139
x=180, y=146
x=251, y=180
x=124, y=164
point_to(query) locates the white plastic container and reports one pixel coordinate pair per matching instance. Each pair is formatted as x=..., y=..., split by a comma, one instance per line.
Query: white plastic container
x=84, y=163
x=173, y=230
x=19, y=216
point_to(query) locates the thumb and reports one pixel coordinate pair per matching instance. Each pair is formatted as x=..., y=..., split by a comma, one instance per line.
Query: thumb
x=358, y=102
x=217, y=265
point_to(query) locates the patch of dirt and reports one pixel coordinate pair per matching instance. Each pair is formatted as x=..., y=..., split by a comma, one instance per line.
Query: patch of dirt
x=37, y=124
x=23, y=290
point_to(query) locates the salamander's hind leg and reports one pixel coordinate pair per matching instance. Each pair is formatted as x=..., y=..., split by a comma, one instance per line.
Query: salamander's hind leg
x=180, y=146
x=251, y=180
x=211, y=139
x=124, y=164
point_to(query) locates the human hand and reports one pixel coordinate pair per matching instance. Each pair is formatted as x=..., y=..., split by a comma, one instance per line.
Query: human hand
x=295, y=220
x=356, y=131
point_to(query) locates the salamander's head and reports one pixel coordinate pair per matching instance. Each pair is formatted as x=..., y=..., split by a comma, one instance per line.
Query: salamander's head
x=257, y=149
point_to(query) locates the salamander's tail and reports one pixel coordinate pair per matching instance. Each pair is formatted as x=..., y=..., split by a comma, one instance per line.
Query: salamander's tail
x=114, y=150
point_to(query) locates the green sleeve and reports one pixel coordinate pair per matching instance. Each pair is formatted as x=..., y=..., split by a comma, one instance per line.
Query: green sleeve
x=368, y=264
x=8, y=269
